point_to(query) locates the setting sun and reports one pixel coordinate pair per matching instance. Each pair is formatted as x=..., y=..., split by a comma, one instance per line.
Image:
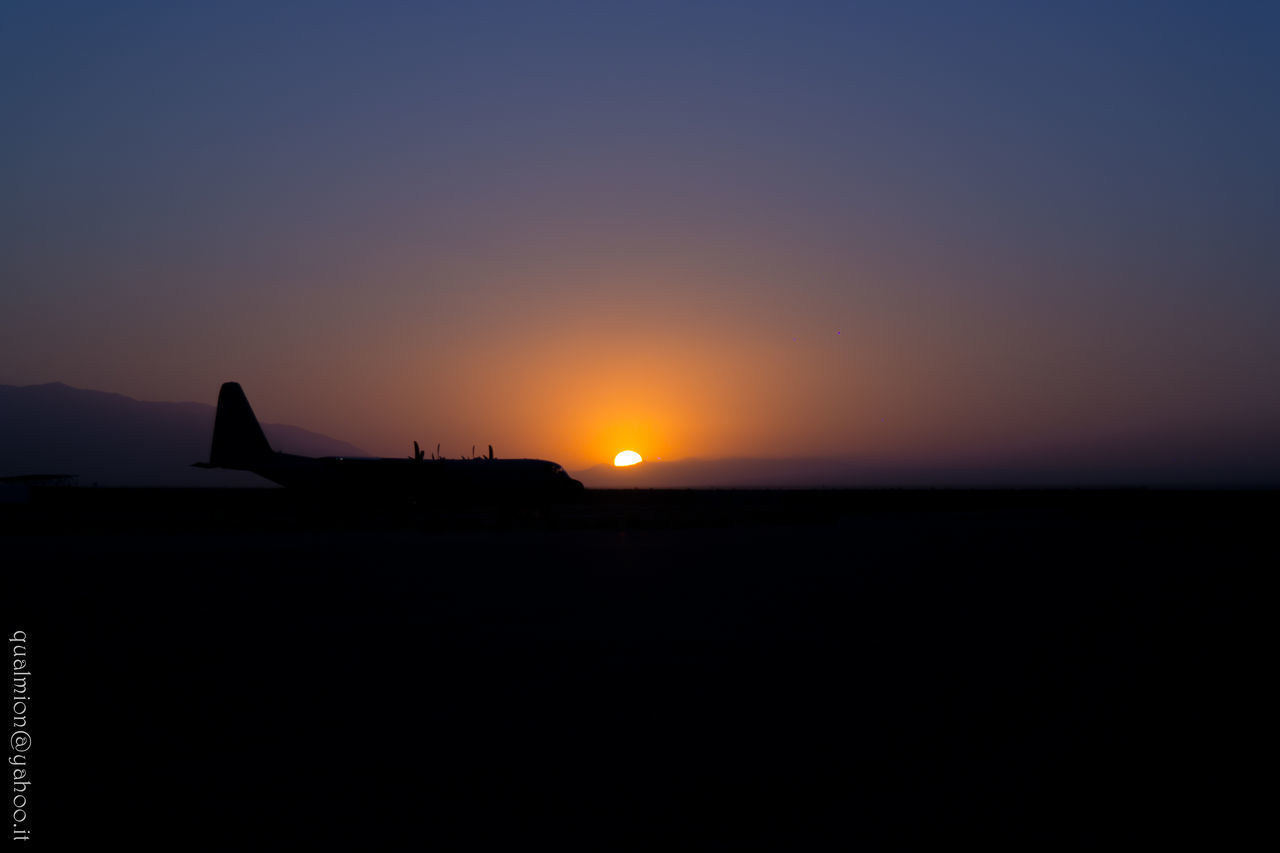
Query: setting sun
x=625, y=458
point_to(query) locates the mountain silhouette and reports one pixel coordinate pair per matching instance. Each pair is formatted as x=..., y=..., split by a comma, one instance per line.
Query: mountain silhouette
x=113, y=440
x=1251, y=460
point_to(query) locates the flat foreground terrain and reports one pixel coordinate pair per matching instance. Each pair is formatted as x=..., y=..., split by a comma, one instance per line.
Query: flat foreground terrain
x=643, y=668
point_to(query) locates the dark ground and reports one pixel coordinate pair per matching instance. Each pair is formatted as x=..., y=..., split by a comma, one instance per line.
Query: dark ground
x=710, y=669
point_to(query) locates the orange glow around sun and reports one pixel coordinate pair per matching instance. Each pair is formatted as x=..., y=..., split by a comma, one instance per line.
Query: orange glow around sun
x=625, y=458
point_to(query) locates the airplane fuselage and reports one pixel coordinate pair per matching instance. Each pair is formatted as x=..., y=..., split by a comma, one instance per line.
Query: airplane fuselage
x=416, y=476
x=239, y=444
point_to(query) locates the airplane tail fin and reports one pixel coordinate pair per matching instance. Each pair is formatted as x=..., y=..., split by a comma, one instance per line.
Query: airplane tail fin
x=238, y=440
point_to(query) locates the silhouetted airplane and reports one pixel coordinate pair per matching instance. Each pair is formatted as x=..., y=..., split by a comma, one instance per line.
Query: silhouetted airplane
x=238, y=442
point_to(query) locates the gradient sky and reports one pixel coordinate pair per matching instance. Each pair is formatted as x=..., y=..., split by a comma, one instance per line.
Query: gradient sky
x=923, y=232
